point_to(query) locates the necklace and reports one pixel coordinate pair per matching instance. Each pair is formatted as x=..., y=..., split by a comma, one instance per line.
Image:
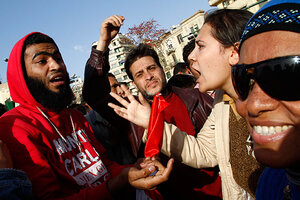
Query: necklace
x=56, y=129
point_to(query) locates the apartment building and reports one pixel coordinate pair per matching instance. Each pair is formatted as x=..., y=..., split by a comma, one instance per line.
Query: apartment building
x=251, y=5
x=76, y=85
x=4, y=93
x=173, y=41
x=118, y=50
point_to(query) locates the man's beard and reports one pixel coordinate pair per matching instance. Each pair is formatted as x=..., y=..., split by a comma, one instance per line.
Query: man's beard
x=51, y=100
x=150, y=97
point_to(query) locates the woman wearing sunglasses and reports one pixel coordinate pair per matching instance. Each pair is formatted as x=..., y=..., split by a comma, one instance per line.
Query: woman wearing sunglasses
x=267, y=80
x=224, y=138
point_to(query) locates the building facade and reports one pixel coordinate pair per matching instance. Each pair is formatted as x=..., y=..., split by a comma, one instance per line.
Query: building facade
x=4, y=93
x=251, y=5
x=173, y=41
x=118, y=50
x=76, y=85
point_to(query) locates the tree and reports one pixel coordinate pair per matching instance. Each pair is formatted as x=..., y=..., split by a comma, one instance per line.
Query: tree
x=146, y=32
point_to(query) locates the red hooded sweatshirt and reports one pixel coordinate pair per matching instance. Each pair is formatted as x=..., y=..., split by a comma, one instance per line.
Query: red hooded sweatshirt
x=66, y=166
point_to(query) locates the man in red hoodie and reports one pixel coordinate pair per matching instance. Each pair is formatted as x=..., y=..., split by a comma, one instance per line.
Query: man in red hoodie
x=53, y=144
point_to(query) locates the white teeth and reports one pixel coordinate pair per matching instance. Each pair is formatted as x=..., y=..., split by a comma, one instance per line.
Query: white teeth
x=277, y=129
x=270, y=130
x=265, y=130
x=284, y=128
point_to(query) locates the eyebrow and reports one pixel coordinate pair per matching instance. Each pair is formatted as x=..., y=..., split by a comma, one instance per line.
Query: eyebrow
x=44, y=53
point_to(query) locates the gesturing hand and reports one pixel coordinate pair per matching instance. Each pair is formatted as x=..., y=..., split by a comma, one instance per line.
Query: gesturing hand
x=109, y=29
x=140, y=179
x=138, y=112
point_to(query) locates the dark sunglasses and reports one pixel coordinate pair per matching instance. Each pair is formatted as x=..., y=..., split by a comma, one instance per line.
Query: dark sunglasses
x=278, y=77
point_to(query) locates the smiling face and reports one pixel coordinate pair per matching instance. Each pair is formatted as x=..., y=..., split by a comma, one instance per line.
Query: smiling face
x=148, y=77
x=44, y=62
x=275, y=124
x=211, y=62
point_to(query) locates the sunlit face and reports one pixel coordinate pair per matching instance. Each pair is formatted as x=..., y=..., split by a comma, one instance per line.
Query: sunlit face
x=148, y=77
x=211, y=62
x=275, y=124
x=44, y=62
x=115, y=86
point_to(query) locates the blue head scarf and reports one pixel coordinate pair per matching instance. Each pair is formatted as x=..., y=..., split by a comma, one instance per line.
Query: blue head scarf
x=274, y=15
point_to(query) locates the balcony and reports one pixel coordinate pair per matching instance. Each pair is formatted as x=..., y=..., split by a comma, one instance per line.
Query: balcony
x=214, y=2
x=170, y=50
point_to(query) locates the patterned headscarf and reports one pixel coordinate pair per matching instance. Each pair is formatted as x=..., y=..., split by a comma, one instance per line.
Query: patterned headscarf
x=275, y=15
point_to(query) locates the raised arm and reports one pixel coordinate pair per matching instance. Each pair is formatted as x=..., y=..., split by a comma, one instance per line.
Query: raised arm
x=96, y=86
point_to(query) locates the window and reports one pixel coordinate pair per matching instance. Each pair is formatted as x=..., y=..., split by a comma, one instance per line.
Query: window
x=116, y=72
x=114, y=43
x=113, y=66
x=123, y=70
x=119, y=56
x=179, y=38
x=225, y=3
x=168, y=74
x=117, y=50
x=196, y=28
x=192, y=30
x=125, y=77
x=174, y=58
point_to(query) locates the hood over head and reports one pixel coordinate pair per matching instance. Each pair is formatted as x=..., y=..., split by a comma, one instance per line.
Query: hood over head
x=19, y=91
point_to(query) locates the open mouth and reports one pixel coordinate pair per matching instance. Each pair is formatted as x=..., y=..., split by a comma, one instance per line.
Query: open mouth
x=58, y=79
x=197, y=74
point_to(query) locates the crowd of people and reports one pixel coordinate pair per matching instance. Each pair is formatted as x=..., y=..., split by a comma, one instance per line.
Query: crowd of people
x=225, y=126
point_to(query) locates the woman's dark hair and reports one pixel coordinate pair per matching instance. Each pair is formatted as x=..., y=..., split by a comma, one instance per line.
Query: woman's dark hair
x=187, y=50
x=140, y=51
x=228, y=25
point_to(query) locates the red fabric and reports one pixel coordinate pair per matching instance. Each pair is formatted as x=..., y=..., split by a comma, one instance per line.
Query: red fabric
x=57, y=168
x=178, y=115
x=156, y=125
x=171, y=109
x=197, y=183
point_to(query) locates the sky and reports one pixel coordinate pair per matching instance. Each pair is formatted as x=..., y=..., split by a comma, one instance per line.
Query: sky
x=75, y=24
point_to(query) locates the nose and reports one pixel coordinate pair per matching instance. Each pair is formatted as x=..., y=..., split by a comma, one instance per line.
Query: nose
x=120, y=92
x=56, y=65
x=192, y=55
x=258, y=102
x=148, y=75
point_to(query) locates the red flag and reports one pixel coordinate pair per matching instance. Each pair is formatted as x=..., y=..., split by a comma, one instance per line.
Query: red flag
x=156, y=125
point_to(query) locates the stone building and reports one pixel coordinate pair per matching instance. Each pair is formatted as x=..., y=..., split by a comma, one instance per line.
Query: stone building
x=4, y=93
x=251, y=5
x=118, y=50
x=173, y=41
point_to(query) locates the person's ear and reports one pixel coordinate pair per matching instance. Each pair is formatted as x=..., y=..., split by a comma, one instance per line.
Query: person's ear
x=234, y=54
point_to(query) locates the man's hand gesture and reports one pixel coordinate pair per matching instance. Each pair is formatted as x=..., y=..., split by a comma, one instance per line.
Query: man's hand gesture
x=109, y=29
x=137, y=112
